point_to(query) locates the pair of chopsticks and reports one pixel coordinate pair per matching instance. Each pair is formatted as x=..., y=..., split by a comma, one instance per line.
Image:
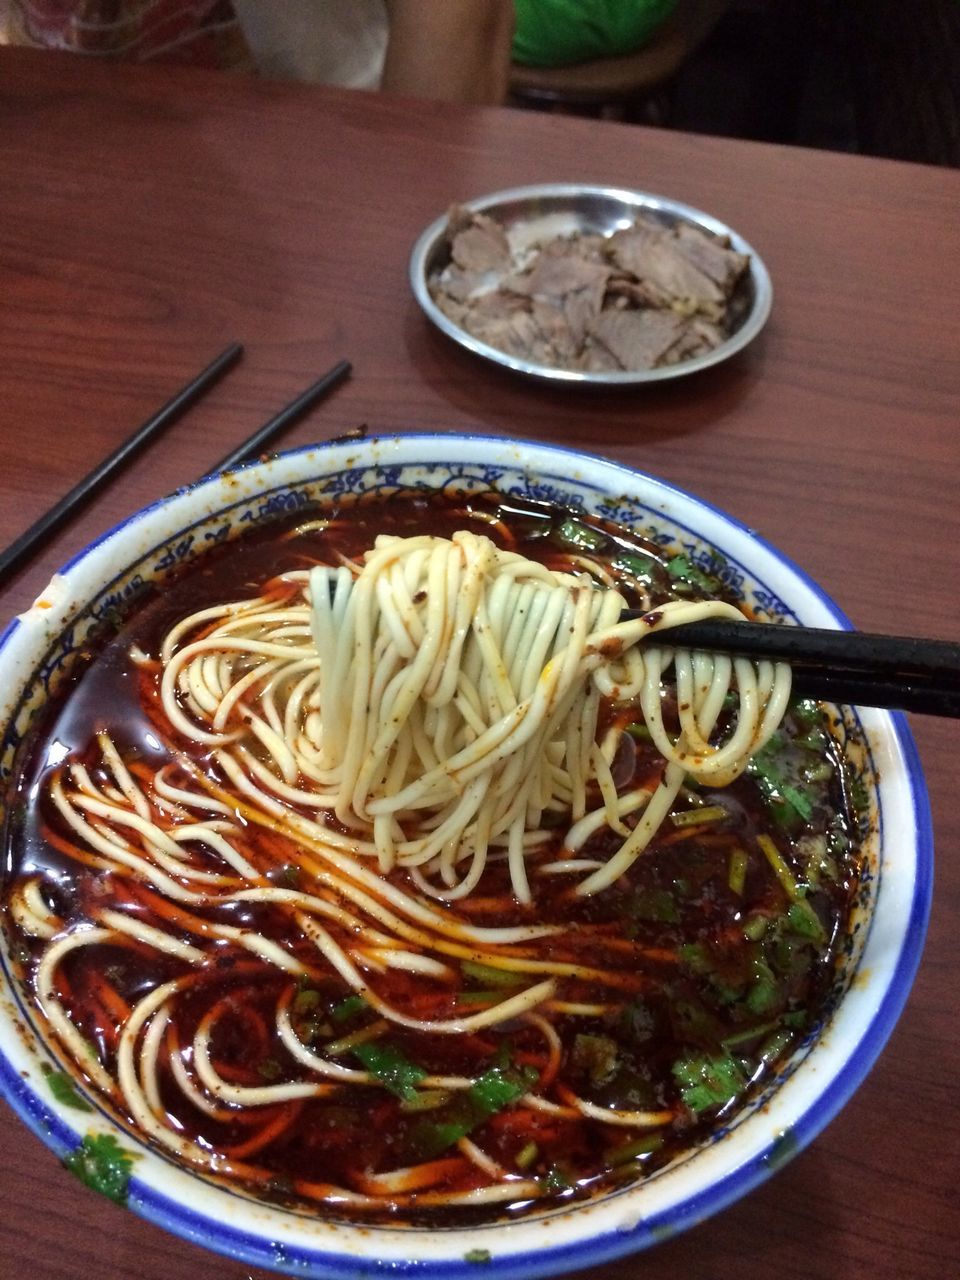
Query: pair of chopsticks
x=22, y=548
x=899, y=672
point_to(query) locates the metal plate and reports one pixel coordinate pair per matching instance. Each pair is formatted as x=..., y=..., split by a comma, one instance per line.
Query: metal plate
x=538, y=212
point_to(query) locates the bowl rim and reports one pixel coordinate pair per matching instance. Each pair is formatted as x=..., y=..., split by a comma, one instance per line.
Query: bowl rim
x=636, y=200
x=593, y=1247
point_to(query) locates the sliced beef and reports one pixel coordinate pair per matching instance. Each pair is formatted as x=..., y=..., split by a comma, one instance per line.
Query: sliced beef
x=509, y=324
x=646, y=296
x=723, y=265
x=554, y=275
x=699, y=336
x=624, y=291
x=580, y=309
x=653, y=256
x=568, y=277
x=452, y=308
x=481, y=246
x=595, y=358
x=638, y=339
x=460, y=285
x=557, y=332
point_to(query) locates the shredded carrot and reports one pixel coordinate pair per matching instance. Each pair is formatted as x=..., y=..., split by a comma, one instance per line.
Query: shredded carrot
x=176, y=915
x=527, y=1059
x=111, y=1000
x=521, y=1121
x=274, y=1128
x=567, y=1097
x=62, y=845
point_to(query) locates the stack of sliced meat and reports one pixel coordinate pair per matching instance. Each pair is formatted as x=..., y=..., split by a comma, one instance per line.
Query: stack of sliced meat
x=643, y=297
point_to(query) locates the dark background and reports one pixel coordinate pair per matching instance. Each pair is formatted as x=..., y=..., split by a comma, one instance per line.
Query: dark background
x=874, y=77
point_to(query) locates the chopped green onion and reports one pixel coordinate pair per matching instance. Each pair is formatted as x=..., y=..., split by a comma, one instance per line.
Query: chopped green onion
x=390, y=1067
x=306, y=1001
x=829, y=868
x=526, y=1155
x=488, y=974
x=799, y=799
x=818, y=772
x=425, y=1100
x=683, y=569
x=737, y=874
x=816, y=740
x=707, y=813
x=555, y=1179
x=644, y=1146
x=744, y=1037
x=754, y=927
x=696, y=957
x=348, y=1008
x=811, y=850
x=640, y=732
x=859, y=795
x=572, y=533
x=781, y=870
x=764, y=995
x=496, y=1089
x=795, y=1019
x=804, y=920
x=642, y=568
x=838, y=842
x=478, y=997
x=442, y=1134
x=656, y=905
x=781, y=796
x=806, y=712
x=772, y=1048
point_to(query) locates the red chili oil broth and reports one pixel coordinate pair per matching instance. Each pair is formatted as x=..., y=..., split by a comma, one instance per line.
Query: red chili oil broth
x=694, y=988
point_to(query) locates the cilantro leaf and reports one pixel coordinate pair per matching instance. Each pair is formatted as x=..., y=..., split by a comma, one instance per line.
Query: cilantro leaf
x=495, y=1090
x=64, y=1090
x=103, y=1165
x=707, y=1082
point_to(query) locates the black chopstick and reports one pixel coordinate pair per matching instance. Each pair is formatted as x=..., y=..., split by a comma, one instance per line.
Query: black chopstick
x=252, y=447
x=30, y=541
x=899, y=672
x=897, y=695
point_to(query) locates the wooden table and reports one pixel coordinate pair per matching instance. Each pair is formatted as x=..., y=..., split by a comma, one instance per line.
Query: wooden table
x=148, y=217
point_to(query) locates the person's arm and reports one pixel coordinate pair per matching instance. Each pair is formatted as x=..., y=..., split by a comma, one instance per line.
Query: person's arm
x=455, y=50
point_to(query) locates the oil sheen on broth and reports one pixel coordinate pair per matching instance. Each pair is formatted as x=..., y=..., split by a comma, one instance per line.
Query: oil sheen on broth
x=673, y=993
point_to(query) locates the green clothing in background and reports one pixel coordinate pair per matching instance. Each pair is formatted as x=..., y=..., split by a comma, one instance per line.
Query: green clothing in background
x=552, y=33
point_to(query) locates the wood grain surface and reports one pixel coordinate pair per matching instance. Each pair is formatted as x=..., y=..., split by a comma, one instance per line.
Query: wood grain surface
x=148, y=217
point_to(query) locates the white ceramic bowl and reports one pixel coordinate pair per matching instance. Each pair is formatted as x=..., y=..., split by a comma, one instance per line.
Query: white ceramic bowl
x=882, y=950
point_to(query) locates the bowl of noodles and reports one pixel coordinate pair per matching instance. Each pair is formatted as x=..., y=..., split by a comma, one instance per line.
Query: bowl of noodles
x=384, y=893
